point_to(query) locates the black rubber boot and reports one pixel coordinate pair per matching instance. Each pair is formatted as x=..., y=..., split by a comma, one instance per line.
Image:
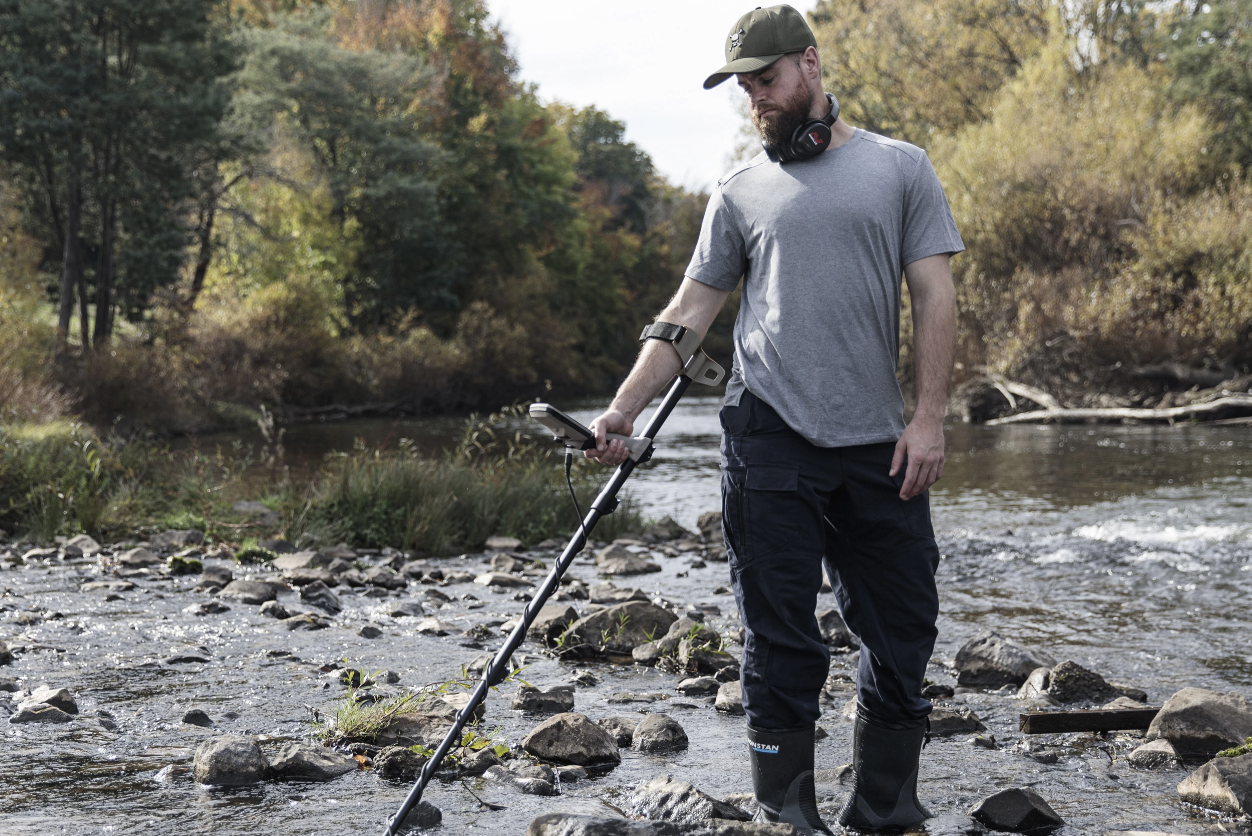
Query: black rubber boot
x=782, y=778
x=884, y=788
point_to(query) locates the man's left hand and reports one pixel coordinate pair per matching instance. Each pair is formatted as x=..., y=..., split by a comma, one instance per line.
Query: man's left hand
x=922, y=447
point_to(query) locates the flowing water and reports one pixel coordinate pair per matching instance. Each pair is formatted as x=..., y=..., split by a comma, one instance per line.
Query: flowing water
x=1125, y=549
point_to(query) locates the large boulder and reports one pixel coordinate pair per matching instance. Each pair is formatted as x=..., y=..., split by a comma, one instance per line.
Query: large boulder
x=618, y=629
x=306, y=762
x=668, y=799
x=990, y=660
x=1071, y=682
x=1200, y=723
x=1222, y=784
x=572, y=738
x=1017, y=810
x=230, y=760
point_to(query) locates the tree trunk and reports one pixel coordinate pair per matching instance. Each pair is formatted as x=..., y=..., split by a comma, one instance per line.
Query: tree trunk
x=206, y=253
x=104, y=273
x=72, y=264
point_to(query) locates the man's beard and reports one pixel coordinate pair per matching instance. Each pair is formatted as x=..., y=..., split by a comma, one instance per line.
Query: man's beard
x=777, y=128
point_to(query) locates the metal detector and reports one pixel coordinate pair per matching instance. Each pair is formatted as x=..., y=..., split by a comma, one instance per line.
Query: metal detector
x=572, y=435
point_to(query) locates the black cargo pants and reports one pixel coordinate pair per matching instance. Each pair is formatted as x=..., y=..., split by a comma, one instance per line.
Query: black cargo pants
x=786, y=504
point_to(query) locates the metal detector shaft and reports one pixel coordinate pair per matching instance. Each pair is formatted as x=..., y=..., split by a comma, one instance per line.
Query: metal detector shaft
x=497, y=668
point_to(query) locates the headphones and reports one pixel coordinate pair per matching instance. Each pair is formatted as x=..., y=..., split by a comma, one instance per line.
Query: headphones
x=808, y=140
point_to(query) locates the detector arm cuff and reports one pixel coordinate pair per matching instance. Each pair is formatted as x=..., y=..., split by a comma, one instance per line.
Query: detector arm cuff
x=696, y=364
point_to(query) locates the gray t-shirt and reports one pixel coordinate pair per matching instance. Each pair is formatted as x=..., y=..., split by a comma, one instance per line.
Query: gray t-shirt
x=821, y=246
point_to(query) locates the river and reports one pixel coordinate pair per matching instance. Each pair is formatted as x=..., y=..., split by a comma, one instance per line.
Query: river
x=1125, y=549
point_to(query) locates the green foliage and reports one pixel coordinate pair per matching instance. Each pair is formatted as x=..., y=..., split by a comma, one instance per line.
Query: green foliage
x=1244, y=748
x=254, y=554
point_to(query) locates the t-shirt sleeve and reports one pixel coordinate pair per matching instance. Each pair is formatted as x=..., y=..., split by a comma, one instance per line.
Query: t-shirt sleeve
x=929, y=228
x=720, y=257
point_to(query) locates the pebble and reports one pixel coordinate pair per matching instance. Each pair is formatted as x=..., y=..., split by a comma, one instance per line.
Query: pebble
x=304, y=621
x=435, y=627
x=198, y=717
x=947, y=721
x=658, y=733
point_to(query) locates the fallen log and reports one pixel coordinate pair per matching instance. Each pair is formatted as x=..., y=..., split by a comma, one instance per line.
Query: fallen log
x=1239, y=404
x=1086, y=720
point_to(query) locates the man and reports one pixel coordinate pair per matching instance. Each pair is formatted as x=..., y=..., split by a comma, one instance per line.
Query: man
x=817, y=463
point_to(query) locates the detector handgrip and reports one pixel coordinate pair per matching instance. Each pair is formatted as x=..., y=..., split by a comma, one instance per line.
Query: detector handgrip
x=575, y=436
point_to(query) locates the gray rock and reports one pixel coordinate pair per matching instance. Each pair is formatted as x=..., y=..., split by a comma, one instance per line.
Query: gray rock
x=1036, y=685
x=507, y=563
x=476, y=763
x=729, y=698
x=277, y=546
x=668, y=799
x=1155, y=754
x=85, y=544
x=1200, y=723
x=398, y=763
x=207, y=608
x=618, y=560
x=319, y=595
x=6, y=655
x=304, y=621
x=607, y=593
x=659, y=733
x=215, y=576
x=568, y=824
x=434, y=627
x=248, y=592
x=834, y=631
x=696, y=657
x=555, y=700
x=39, y=554
x=273, y=609
x=198, y=717
x=139, y=558
x=404, y=609
x=422, y=729
x=666, y=529
x=502, y=579
x=617, y=629
x=230, y=761
x=710, y=525
x=423, y=816
x=946, y=721
x=9, y=684
x=989, y=660
x=1017, y=810
x=701, y=686
x=301, y=560
x=55, y=697
x=306, y=762
x=35, y=712
x=304, y=577
x=621, y=728
x=571, y=774
x=551, y=622
x=384, y=577
x=530, y=786
x=500, y=543
x=177, y=538
x=1222, y=784
x=369, y=631
x=572, y=738
x=1071, y=682
x=111, y=586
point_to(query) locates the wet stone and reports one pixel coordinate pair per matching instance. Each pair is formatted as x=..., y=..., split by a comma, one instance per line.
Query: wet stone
x=1070, y=682
x=215, y=576
x=39, y=713
x=555, y=700
x=304, y=577
x=319, y=595
x=669, y=799
x=85, y=544
x=1200, y=723
x=1222, y=784
x=384, y=577
x=501, y=579
x=110, y=586
x=551, y=622
x=177, y=538
x=702, y=686
x=139, y=558
x=990, y=660
x=306, y=762
x=55, y=697
x=198, y=717
x=572, y=738
x=476, y=763
x=834, y=631
x=229, y=760
x=621, y=728
x=248, y=592
x=1155, y=754
x=398, y=763
x=659, y=733
x=369, y=631
x=423, y=816
x=617, y=629
x=607, y=593
x=273, y=609
x=946, y=721
x=729, y=698
x=530, y=786
x=206, y=608
x=1017, y=810
x=435, y=627
x=304, y=621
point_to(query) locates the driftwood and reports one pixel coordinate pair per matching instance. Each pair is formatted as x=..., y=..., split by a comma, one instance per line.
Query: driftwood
x=1232, y=403
x=1009, y=388
x=1092, y=720
x=1187, y=375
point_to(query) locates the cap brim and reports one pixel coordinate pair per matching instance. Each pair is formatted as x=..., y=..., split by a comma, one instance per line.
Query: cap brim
x=740, y=65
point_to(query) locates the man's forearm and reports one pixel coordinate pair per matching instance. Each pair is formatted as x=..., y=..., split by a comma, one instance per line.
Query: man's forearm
x=934, y=348
x=657, y=364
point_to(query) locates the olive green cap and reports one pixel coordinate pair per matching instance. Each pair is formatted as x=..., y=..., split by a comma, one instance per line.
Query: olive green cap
x=760, y=38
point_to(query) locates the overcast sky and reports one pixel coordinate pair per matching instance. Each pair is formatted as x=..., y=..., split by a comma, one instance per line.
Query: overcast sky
x=642, y=62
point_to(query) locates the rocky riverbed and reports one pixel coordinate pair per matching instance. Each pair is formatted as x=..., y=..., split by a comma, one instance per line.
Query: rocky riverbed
x=163, y=685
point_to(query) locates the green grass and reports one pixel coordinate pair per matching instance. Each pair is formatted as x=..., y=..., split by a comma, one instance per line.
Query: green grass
x=1245, y=749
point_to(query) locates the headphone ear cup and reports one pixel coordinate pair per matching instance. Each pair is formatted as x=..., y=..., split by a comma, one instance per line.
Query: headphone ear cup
x=810, y=139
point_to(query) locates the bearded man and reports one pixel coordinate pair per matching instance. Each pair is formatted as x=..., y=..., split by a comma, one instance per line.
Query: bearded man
x=818, y=464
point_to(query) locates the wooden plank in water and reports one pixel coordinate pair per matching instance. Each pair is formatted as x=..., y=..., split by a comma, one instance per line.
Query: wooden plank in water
x=1087, y=720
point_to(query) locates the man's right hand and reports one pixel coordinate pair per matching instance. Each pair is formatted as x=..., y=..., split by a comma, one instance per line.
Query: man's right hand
x=610, y=452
